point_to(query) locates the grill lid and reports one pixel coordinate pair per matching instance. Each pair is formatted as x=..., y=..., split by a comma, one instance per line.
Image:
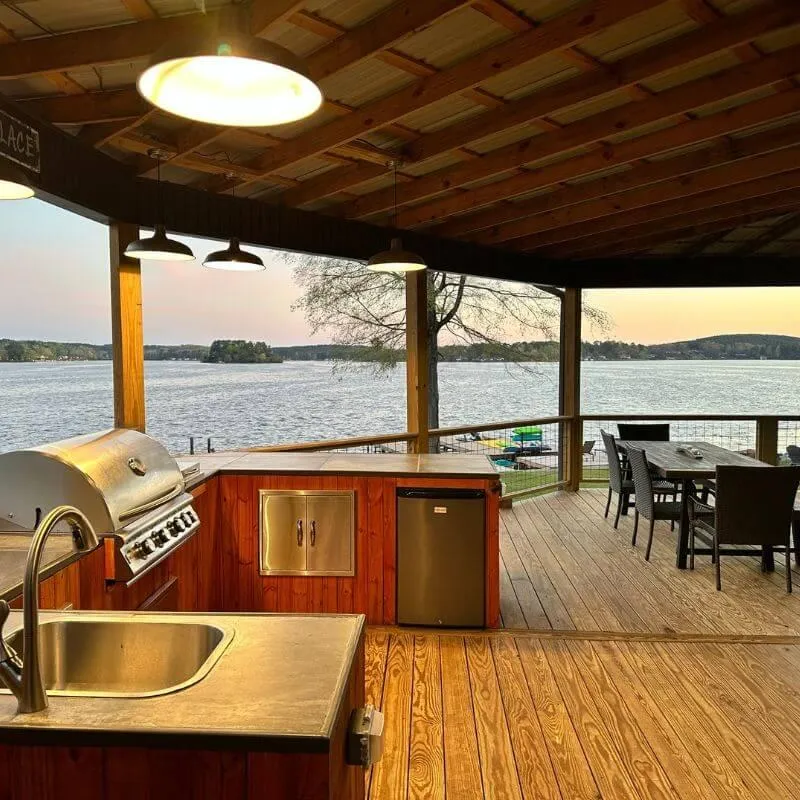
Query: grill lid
x=112, y=476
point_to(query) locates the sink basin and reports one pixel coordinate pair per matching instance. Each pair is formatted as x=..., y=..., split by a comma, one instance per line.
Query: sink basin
x=123, y=657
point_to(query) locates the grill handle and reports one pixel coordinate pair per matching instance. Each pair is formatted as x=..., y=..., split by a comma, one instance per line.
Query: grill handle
x=156, y=501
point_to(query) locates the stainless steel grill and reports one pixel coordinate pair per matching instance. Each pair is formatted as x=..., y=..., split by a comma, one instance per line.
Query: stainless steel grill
x=125, y=482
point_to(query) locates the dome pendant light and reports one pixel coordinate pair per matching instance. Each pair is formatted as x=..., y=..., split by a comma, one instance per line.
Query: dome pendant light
x=396, y=259
x=158, y=247
x=14, y=183
x=233, y=258
x=230, y=78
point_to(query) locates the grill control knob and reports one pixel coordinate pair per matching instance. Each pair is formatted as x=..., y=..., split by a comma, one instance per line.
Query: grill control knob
x=160, y=537
x=142, y=549
x=179, y=526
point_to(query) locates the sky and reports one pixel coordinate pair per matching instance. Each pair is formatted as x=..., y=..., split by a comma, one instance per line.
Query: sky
x=54, y=285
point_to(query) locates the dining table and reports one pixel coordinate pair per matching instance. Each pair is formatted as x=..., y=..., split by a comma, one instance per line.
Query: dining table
x=681, y=468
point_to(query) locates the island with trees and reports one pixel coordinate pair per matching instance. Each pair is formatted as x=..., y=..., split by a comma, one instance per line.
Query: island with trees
x=239, y=351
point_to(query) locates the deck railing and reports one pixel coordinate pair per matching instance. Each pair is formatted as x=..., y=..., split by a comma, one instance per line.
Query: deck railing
x=533, y=455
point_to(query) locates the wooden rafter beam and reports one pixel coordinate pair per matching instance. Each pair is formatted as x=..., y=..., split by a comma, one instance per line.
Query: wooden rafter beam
x=767, y=195
x=140, y=9
x=724, y=165
x=772, y=182
x=91, y=107
x=98, y=46
x=720, y=226
x=266, y=13
x=718, y=36
x=557, y=34
x=774, y=234
x=695, y=132
x=590, y=130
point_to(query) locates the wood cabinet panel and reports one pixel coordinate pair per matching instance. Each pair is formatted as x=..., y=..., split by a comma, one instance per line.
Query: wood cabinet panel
x=372, y=591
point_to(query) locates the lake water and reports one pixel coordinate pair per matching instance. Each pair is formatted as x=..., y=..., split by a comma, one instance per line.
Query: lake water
x=240, y=405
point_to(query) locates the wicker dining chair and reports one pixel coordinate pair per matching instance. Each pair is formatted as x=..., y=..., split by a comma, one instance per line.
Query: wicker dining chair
x=617, y=482
x=753, y=506
x=793, y=451
x=645, y=491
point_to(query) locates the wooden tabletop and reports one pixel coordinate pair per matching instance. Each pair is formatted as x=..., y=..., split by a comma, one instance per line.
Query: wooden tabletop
x=670, y=464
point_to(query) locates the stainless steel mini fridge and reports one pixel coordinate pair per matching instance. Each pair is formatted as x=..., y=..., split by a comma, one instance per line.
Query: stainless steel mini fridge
x=441, y=557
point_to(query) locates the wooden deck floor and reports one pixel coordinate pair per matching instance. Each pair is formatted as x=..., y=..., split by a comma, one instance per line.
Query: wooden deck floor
x=527, y=717
x=564, y=567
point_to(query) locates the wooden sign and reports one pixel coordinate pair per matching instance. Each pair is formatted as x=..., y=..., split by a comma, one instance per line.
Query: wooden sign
x=19, y=142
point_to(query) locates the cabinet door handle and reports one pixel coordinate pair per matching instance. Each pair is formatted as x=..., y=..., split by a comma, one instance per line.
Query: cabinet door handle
x=299, y=533
x=313, y=535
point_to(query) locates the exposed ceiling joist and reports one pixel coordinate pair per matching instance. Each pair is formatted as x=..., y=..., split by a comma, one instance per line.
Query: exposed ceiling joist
x=774, y=234
x=556, y=34
x=768, y=195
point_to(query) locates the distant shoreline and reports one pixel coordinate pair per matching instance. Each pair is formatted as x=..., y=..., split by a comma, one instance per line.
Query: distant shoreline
x=729, y=347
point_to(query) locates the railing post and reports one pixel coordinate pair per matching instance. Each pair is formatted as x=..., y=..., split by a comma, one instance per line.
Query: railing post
x=767, y=440
x=417, y=360
x=570, y=388
x=127, y=342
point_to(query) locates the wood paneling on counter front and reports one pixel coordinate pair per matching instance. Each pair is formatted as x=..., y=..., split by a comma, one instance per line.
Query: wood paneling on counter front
x=372, y=591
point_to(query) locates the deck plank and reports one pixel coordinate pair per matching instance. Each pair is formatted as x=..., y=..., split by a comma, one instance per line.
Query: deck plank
x=426, y=761
x=462, y=761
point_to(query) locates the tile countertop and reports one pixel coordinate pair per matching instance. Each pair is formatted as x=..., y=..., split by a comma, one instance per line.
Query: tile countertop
x=278, y=686
x=443, y=465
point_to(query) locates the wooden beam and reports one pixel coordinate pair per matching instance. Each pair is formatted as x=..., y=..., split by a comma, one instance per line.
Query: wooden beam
x=590, y=130
x=696, y=131
x=651, y=182
x=570, y=387
x=769, y=236
x=126, y=329
x=721, y=35
x=660, y=230
x=417, y=358
x=767, y=440
x=564, y=31
x=264, y=14
x=140, y=9
x=719, y=176
x=88, y=108
x=702, y=244
x=98, y=46
x=571, y=235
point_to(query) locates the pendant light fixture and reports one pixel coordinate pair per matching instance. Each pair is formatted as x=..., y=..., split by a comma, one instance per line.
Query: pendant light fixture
x=396, y=259
x=233, y=258
x=225, y=76
x=158, y=247
x=14, y=183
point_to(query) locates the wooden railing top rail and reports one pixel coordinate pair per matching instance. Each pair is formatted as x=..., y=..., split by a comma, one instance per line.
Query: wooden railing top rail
x=692, y=417
x=334, y=444
x=496, y=426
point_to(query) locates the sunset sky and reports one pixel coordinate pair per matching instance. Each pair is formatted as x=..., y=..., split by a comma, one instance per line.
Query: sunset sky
x=54, y=285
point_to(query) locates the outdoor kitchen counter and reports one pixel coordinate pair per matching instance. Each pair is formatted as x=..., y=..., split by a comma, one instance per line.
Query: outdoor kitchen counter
x=58, y=554
x=401, y=465
x=278, y=686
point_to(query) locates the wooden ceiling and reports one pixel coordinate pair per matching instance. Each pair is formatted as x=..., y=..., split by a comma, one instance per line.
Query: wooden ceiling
x=568, y=128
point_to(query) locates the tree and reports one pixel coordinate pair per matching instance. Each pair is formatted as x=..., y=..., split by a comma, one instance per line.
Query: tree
x=359, y=307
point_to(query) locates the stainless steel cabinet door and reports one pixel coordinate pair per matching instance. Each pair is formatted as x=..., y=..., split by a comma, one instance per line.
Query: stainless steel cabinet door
x=283, y=532
x=330, y=533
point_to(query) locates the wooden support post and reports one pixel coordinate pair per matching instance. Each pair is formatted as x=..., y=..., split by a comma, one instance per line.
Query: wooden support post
x=126, y=329
x=417, y=359
x=767, y=440
x=570, y=389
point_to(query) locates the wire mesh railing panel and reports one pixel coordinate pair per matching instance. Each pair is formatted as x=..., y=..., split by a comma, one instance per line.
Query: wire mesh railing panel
x=527, y=456
x=738, y=435
x=789, y=441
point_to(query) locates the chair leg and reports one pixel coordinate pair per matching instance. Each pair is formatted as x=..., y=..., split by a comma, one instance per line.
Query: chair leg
x=789, y=563
x=635, y=527
x=619, y=510
x=608, y=502
x=672, y=524
x=717, y=564
x=796, y=534
x=650, y=540
x=691, y=547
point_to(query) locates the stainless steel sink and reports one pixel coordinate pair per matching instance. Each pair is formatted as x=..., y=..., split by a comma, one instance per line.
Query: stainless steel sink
x=124, y=657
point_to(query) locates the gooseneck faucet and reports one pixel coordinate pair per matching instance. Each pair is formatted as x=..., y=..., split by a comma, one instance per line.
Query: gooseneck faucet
x=23, y=677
